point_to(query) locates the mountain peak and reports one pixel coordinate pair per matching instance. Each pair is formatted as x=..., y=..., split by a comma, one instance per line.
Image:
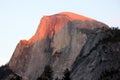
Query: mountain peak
x=54, y=23
x=57, y=42
x=74, y=16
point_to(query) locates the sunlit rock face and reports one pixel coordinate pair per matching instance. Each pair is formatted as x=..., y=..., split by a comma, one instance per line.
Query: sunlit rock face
x=57, y=43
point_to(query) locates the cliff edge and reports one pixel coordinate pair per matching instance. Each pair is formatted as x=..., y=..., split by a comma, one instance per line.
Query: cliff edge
x=66, y=42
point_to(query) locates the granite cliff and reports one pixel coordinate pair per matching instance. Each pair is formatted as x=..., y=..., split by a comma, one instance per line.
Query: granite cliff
x=68, y=46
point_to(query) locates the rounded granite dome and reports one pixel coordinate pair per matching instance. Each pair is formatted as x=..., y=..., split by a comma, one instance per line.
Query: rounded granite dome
x=74, y=16
x=57, y=43
x=54, y=23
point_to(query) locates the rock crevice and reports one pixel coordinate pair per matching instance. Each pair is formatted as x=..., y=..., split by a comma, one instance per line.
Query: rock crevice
x=69, y=45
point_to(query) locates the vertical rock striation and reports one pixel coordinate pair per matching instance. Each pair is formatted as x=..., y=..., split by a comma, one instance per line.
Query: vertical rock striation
x=62, y=41
x=100, y=57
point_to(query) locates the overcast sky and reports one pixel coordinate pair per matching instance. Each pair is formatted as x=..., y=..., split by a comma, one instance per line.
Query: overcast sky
x=19, y=18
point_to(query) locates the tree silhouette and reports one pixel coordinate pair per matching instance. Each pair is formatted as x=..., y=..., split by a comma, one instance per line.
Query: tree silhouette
x=47, y=74
x=66, y=75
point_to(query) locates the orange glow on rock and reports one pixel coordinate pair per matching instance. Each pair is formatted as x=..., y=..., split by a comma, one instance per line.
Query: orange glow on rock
x=54, y=23
x=48, y=26
x=74, y=16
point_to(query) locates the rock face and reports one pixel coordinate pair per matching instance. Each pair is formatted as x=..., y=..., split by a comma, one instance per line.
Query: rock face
x=100, y=57
x=64, y=41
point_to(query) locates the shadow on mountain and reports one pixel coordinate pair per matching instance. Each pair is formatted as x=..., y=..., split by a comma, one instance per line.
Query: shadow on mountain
x=101, y=63
x=8, y=74
x=103, y=60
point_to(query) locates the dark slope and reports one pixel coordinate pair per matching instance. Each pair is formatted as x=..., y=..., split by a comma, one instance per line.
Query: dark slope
x=102, y=62
x=7, y=74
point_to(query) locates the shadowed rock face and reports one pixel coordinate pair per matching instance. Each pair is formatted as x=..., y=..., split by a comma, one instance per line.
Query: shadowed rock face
x=101, y=60
x=64, y=41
